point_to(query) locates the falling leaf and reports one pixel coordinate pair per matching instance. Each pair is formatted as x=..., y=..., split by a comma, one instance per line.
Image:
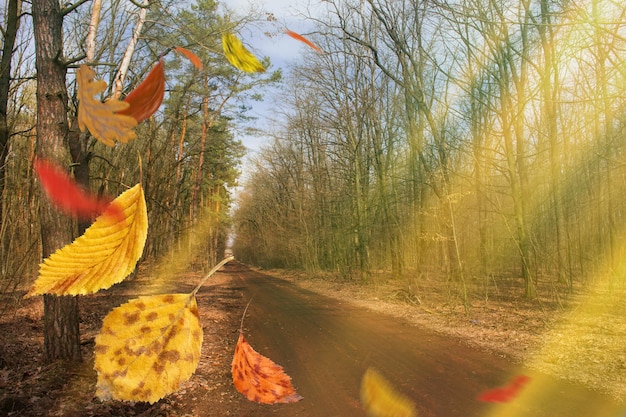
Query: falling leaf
x=104, y=255
x=146, y=98
x=506, y=393
x=148, y=347
x=258, y=378
x=101, y=118
x=301, y=38
x=190, y=55
x=379, y=399
x=63, y=191
x=239, y=56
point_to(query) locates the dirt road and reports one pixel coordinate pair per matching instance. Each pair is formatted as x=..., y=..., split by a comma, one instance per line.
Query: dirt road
x=326, y=346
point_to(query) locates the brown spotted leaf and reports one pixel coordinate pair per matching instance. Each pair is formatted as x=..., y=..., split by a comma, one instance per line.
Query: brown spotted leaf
x=258, y=378
x=101, y=118
x=104, y=255
x=148, y=347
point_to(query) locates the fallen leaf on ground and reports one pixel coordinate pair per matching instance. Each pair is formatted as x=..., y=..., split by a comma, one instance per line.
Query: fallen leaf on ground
x=148, y=347
x=239, y=56
x=101, y=118
x=258, y=378
x=380, y=399
x=104, y=255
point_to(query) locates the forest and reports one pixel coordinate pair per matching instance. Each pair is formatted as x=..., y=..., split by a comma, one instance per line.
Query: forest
x=471, y=142
x=187, y=156
x=474, y=147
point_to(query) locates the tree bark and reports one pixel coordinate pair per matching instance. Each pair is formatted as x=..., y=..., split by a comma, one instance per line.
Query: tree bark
x=61, y=331
x=10, y=34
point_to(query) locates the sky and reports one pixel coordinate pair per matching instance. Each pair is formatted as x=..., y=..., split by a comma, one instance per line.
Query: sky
x=281, y=49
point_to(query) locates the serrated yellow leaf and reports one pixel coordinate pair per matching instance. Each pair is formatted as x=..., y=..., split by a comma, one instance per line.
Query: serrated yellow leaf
x=379, y=399
x=148, y=347
x=104, y=255
x=239, y=56
x=98, y=117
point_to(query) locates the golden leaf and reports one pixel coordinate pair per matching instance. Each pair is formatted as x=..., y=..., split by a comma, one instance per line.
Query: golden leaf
x=98, y=117
x=260, y=379
x=148, y=347
x=379, y=399
x=104, y=255
x=239, y=56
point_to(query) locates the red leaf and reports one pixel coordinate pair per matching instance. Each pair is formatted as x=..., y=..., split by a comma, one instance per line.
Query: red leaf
x=190, y=55
x=260, y=379
x=146, y=98
x=506, y=393
x=69, y=196
x=301, y=38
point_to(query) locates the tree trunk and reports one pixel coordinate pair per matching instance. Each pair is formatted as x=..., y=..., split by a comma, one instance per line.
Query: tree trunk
x=12, y=24
x=61, y=332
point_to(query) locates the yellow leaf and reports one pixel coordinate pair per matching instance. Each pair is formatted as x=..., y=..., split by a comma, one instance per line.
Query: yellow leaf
x=148, y=347
x=104, y=255
x=379, y=399
x=239, y=56
x=98, y=117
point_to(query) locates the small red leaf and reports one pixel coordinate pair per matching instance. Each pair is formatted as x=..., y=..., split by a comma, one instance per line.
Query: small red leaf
x=190, y=55
x=301, y=38
x=146, y=98
x=69, y=196
x=506, y=393
x=258, y=378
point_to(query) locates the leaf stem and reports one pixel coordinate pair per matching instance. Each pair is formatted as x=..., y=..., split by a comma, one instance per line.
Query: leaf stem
x=211, y=272
x=244, y=315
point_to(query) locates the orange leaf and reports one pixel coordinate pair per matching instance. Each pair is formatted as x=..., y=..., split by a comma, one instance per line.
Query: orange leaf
x=146, y=98
x=258, y=378
x=190, y=55
x=301, y=38
x=101, y=118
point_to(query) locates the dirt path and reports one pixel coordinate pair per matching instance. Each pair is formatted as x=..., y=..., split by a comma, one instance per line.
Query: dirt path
x=325, y=345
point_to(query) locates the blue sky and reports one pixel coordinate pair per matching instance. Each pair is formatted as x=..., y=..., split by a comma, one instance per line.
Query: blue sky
x=281, y=49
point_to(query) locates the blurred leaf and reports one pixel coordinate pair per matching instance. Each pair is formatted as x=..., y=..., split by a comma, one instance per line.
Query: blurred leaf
x=258, y=378
x=190, y=55
x=146, y=98
x=239, y=56
x=506, y=393
x=98, y=117
x=148, y=347
x=379, y=399
x=104, y=255
x=63, y=191
x=301, y=38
